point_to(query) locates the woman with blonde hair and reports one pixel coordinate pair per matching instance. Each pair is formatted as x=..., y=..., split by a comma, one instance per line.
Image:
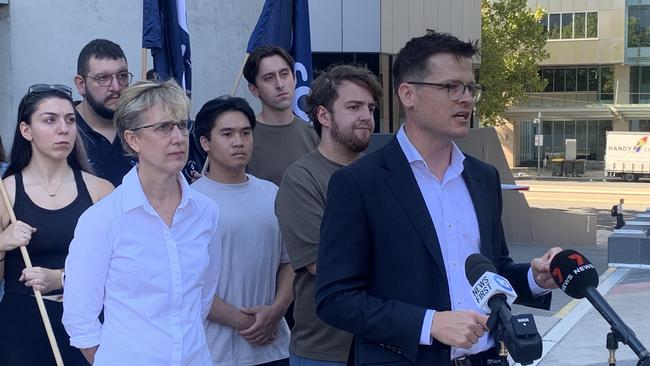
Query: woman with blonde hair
x=143, y=254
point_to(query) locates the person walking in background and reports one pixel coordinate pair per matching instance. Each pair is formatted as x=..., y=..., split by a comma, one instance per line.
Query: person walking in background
x=50, y=186
x=620, y=221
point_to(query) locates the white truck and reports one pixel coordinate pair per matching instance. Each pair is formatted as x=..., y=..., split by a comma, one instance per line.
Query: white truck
x=627, y=155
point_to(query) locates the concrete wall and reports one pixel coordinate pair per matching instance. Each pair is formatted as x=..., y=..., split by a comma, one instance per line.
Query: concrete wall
x=41, y=39
x=7, y=112
x=607, y=49
x=523, y=224
x=404, y=19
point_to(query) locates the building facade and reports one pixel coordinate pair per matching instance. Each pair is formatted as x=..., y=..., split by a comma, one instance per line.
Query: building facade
x=598, y=80
x=40, y=41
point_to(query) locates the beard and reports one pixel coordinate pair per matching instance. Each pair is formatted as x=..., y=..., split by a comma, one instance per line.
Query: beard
x=349, y=141
x=99, y=108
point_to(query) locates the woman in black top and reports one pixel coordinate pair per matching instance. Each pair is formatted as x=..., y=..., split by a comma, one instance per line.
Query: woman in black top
x=50, y=187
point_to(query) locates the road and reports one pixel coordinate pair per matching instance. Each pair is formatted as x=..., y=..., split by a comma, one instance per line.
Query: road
x=588, y=197
x=585, y=195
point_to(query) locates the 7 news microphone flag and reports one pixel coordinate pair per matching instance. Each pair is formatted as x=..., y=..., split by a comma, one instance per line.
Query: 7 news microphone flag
x=165, y=32
x=285, y=23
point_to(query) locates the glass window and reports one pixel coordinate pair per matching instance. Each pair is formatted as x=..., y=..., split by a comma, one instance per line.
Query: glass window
x=644, y=84
x=548, y=75
x=570, y=129
x=527, y=147
x=559, y=80
x=592, y=139
x=593, y=79
x=592, y=25
x=607, y=84
x=644, y=125
x=554, y=26
x=547, y=131
x=638, y=26
x=581, y=137
x=603, y=126
x=571, y=75
x=567, y=26
x=579, y=25
x=634, y=84
x=558, y=136
x=582, y=79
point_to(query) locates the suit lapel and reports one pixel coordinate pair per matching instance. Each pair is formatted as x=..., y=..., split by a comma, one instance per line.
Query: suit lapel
x=402, y=183
x=478, y=192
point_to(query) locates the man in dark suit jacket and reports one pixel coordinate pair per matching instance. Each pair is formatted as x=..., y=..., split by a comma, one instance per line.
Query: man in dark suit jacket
x=400, y=223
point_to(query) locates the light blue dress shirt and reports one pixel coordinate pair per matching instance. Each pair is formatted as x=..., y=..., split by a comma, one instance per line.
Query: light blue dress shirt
x=452, y=211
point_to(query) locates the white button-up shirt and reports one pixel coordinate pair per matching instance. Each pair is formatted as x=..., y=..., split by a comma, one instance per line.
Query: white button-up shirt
x=452, y=211
x=154, y=282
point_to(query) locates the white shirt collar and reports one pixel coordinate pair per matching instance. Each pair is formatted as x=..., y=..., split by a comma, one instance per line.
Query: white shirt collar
x=413, y=155
x=133, y=196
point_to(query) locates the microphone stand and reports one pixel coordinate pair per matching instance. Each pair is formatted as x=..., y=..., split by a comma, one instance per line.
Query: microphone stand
x=613, y=338
x=493, y=323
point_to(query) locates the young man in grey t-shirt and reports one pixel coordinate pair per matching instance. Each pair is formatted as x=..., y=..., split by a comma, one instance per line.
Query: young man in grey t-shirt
x=245, y=324
x=341, y=103
x=280, y=136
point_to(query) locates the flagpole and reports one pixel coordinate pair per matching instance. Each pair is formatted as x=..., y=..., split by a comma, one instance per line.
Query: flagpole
x=37, y=293
x=239, y=74
x=143, y=70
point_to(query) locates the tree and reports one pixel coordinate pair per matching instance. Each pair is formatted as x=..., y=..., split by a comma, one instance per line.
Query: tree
x=512, y=45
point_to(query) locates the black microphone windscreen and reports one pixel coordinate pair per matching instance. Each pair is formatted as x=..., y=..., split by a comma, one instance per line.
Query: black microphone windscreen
x=573, y=273
x=475, y=265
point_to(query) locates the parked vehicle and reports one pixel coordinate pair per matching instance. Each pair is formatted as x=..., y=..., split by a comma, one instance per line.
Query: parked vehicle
x=627, y=155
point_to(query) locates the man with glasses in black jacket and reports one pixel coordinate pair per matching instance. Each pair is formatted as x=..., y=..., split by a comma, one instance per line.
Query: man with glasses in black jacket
x=102, y=75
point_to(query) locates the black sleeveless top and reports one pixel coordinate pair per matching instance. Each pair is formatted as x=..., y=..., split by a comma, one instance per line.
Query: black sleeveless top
x=48, y=247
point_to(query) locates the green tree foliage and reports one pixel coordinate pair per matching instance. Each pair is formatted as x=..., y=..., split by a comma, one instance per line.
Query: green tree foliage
x=512, y=45
x=637, y=36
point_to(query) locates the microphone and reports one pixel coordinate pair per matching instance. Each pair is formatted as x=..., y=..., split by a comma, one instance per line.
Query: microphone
x=577, y=277
x=487, y=284
x=494, y=294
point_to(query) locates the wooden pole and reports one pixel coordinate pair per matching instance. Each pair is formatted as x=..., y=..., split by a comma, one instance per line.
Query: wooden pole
x=143, y=70
x=239, y=74
x=37, y=293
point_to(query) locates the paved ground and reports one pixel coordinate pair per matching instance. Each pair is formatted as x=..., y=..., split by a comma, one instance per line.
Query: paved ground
x=573, y=332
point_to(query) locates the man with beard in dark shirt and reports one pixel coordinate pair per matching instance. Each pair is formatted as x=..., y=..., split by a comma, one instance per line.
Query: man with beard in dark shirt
x=102, y=75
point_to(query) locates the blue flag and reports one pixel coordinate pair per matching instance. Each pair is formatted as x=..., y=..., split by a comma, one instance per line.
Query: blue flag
x=285, y=23
x=165, y=32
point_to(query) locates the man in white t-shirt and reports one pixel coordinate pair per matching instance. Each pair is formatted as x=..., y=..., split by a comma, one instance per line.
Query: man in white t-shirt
x=245, y=325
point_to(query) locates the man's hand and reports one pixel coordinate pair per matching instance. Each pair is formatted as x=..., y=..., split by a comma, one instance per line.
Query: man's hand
x=263, y=331
x=458, y=328
x=541, y=268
